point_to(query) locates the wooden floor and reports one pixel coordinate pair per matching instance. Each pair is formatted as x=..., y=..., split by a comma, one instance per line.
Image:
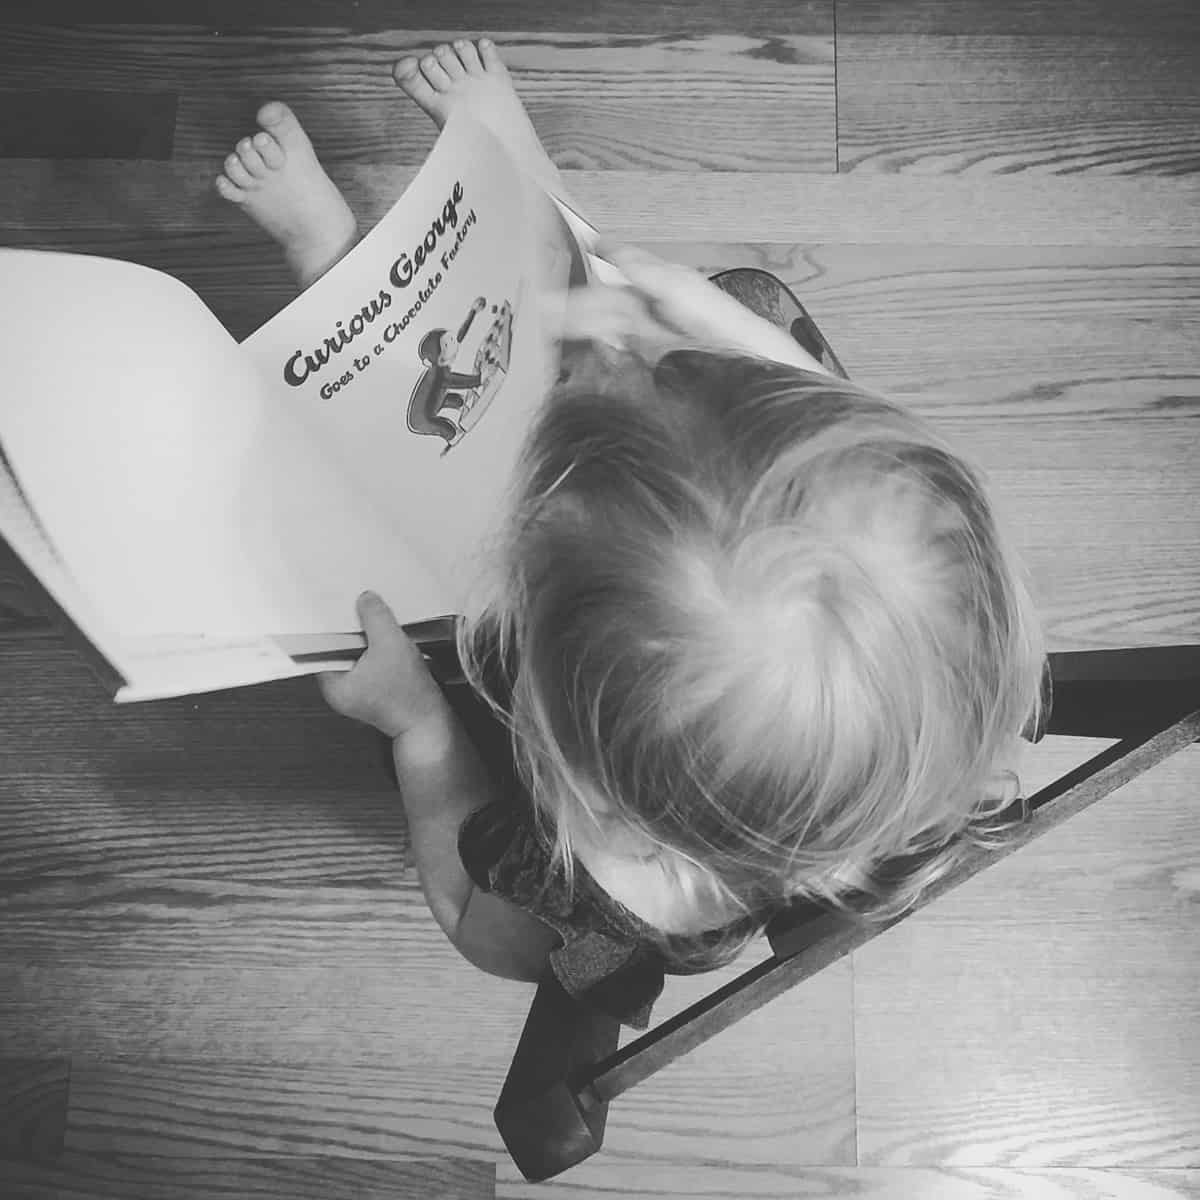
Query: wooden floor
x=217, y=974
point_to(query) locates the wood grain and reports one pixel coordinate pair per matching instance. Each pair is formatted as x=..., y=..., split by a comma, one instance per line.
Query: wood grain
x=234, y=1075
x=77, y=1176
x=33, y=1108
x=206, y=905
x=94, y=791
x=1044, y=1015
x=67, y=123
x=187, y=1110
x=720, y=102
x=1006, y=105
x=597, y=1181
x=613, y=19
x=50, y=204
x=1067, y=18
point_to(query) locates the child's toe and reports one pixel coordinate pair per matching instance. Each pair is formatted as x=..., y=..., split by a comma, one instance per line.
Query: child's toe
x=272, y=152
x=468, y=56
x=250, y=158
x=282, y=124
x=435, y=73
x=449, y=62
x=238, y=173
x=408, y=77
x=229, y=190
x=490, y=56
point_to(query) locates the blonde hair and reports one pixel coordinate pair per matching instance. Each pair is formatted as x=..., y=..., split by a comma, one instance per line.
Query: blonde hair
x=767, y=621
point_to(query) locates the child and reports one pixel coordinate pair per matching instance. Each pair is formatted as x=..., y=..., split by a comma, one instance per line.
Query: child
x=755, y=632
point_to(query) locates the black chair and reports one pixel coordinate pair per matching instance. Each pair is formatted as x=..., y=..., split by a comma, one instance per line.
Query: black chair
x=567, y=1069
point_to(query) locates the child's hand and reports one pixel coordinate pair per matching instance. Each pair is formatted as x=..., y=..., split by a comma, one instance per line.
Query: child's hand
x=631, y=315
x=678, y=299
x=666, y=304
x=390, y=686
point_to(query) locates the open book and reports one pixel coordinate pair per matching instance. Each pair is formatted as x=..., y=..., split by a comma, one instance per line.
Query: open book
x=205, y=513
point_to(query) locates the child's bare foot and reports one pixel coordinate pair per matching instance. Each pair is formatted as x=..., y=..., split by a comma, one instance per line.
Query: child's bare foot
x=276, y=178
x=463, y=76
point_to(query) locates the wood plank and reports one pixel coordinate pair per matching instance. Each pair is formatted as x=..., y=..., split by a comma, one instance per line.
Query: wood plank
x=1003, y=105
x=259, y=787
x=195, y=1110
x=1069, y=18
x=56, y=201
x=406, y=1014
x=1044, y=1014
x=138, y=921
x=626, y=17
x=721, y=102
x=925, y=319
x=739, y=1100
x=548, y=68
x=64, y=123
x=597, y=1179
x=793, y=129
x=183, y=1062
x=33, y=1108
x=301, y=1176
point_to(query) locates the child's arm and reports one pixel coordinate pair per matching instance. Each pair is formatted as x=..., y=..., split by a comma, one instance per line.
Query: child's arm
x=655, y=301
x=442, y=781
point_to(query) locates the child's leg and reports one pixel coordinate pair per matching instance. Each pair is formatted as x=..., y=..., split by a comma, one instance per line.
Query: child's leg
x=276, y=178
x=474, y=77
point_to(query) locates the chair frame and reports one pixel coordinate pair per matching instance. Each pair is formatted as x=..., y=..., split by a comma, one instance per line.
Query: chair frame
x=566, y=1070
x=553, y=1106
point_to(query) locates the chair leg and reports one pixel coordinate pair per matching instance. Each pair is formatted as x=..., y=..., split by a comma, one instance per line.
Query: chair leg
x=545, y=1116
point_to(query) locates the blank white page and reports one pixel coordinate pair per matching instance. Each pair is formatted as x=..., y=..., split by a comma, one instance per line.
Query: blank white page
x=169, y=480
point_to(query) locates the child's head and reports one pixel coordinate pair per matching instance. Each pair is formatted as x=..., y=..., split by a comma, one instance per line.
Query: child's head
x=763, y=621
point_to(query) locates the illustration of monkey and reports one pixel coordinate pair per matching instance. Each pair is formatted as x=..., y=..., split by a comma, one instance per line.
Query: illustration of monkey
x=432, y=395
x=436, y=410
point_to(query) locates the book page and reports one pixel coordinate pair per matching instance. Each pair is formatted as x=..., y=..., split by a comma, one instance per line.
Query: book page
x=421, y=359
x=150, y=668
x=184, y=498
x=20, y=528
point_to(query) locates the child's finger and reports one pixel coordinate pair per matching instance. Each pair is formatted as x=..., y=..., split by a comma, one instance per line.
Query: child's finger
x=376, y=617
x=385, y=635
x=332, y=686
